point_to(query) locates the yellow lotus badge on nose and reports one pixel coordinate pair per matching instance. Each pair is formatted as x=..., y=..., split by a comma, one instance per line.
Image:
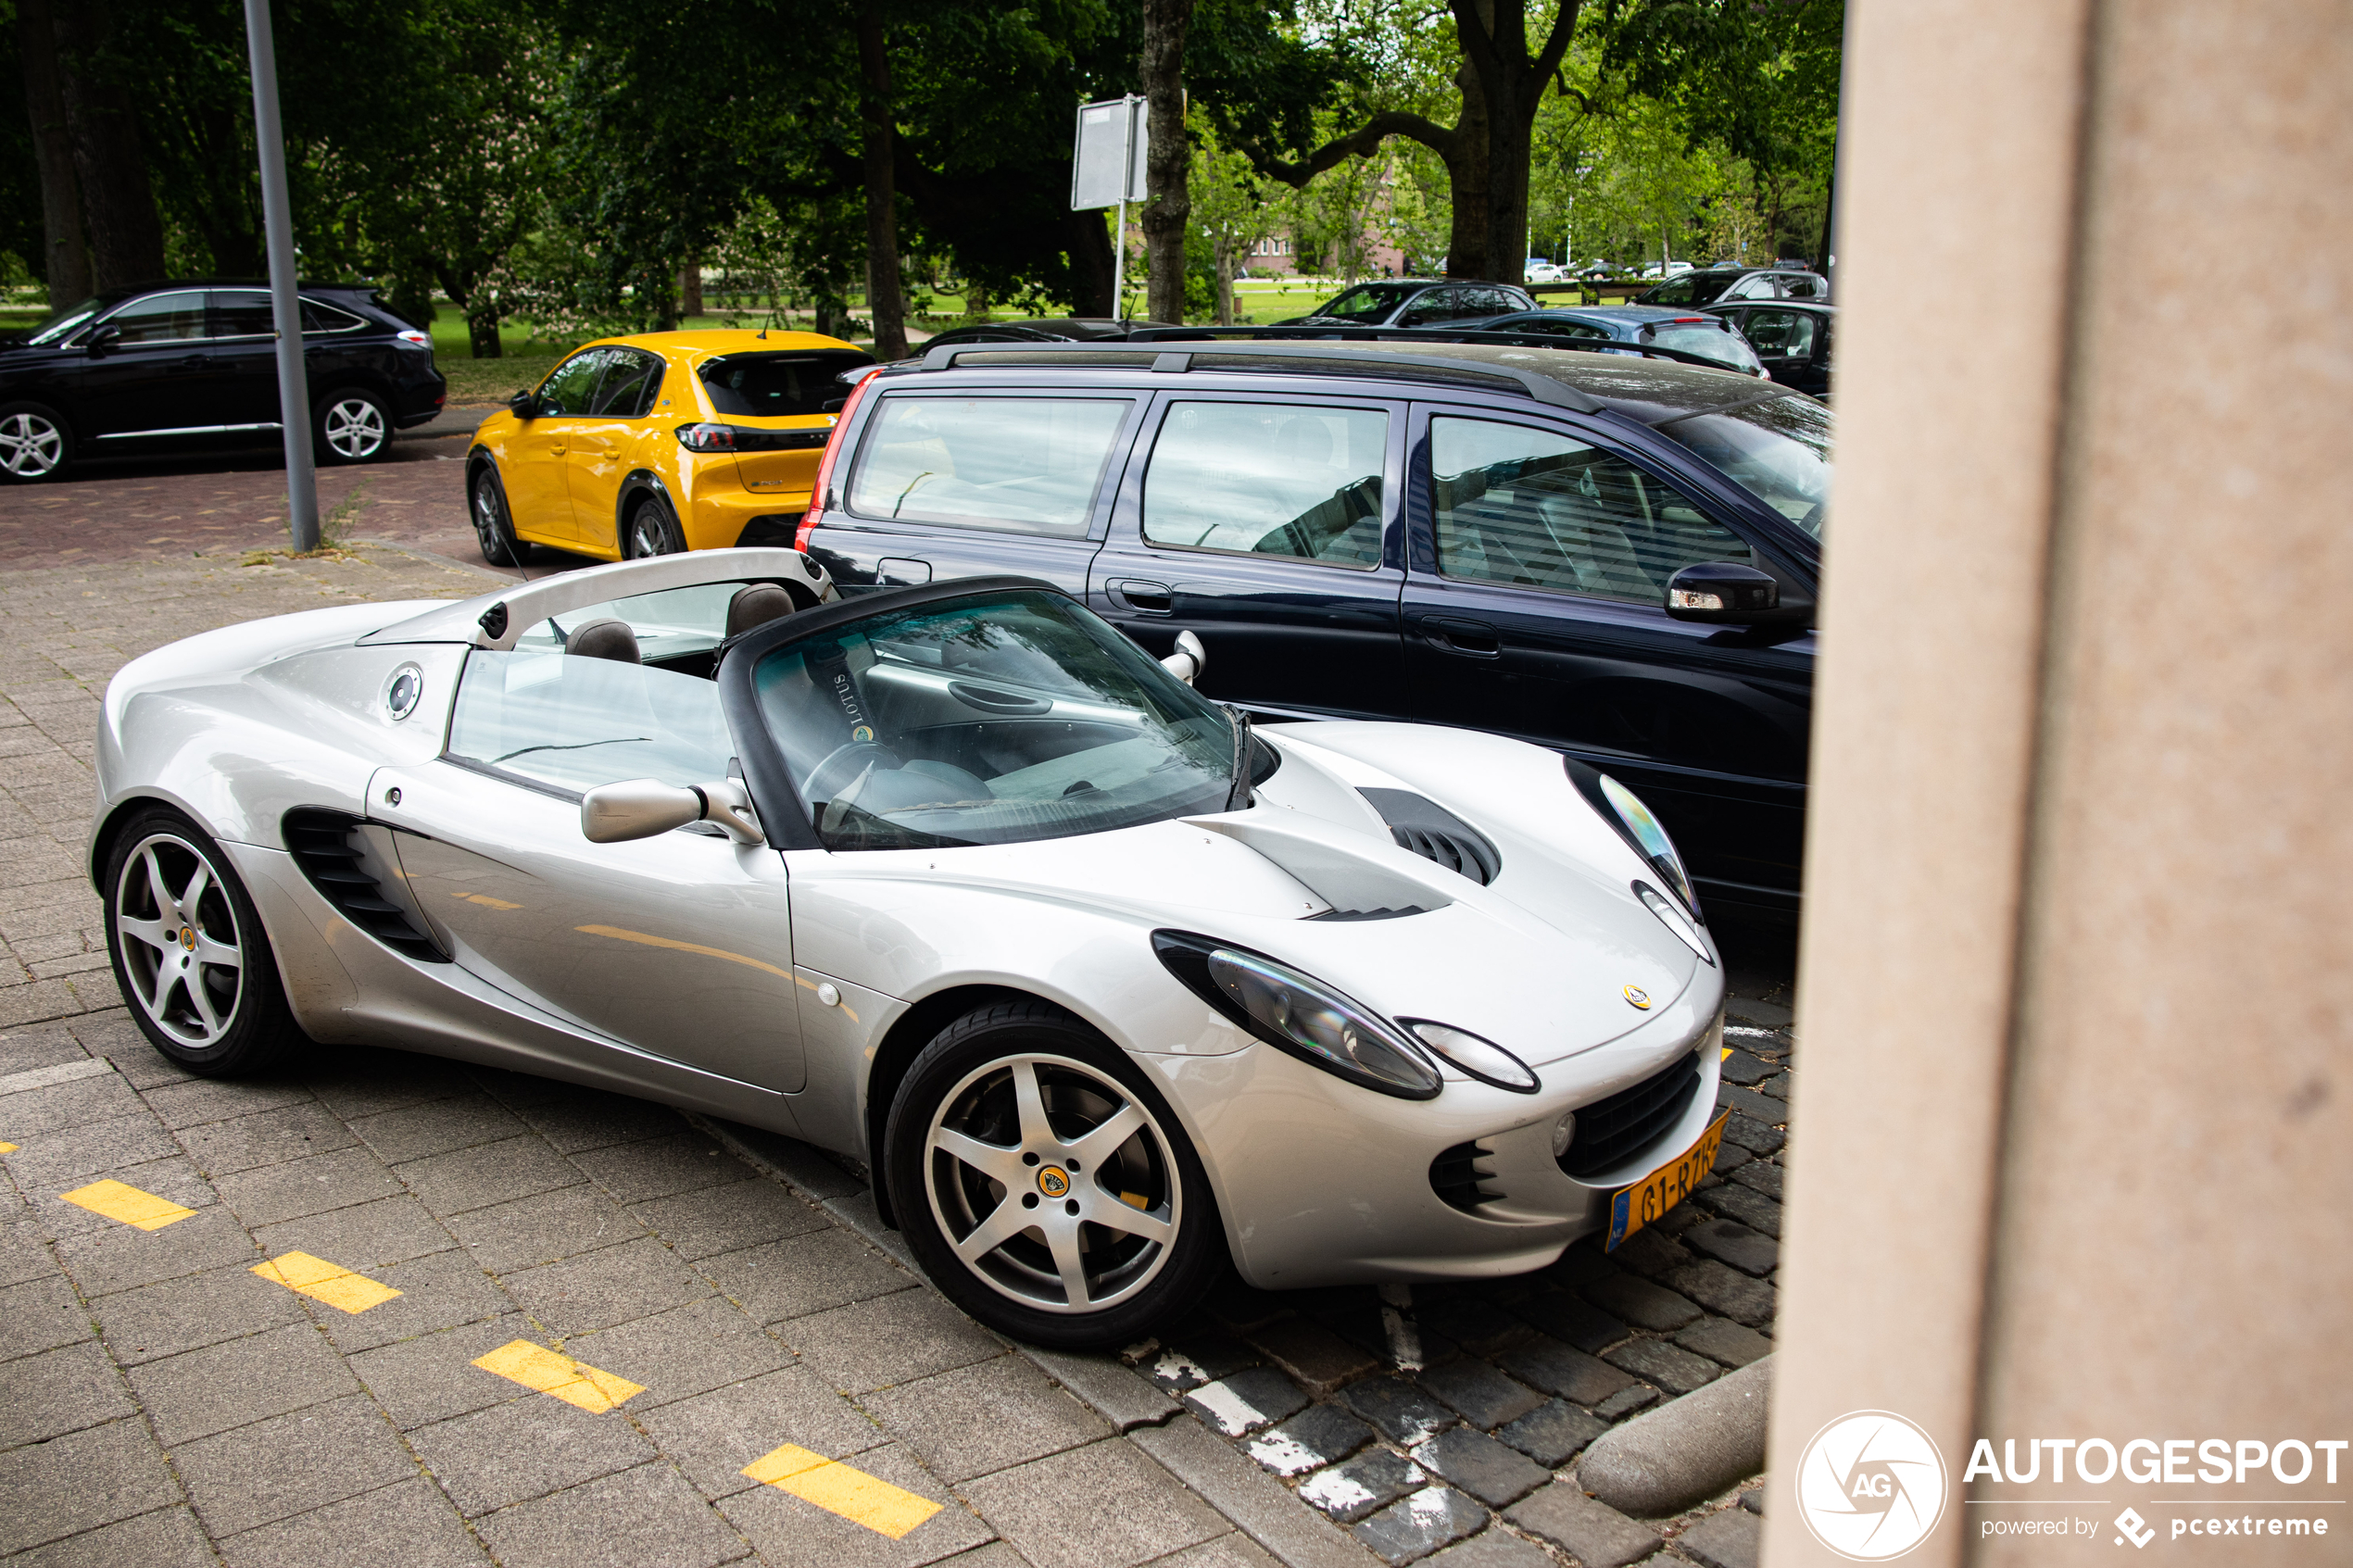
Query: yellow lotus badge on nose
x=1639, y=997
x=1052, y=1182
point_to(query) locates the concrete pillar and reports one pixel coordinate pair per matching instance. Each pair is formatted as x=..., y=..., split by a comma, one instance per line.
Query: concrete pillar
x=2076, y=993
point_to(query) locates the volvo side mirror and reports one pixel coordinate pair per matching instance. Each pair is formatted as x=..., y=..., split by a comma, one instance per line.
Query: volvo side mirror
x=1189, y=659
x=1724, y=592
x=635, y=808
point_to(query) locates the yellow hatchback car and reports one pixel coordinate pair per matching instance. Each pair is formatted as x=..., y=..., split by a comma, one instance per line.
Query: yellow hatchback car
x=660, y=441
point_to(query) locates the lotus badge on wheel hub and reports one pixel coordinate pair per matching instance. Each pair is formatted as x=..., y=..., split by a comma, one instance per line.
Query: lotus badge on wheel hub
x=1051, y=1182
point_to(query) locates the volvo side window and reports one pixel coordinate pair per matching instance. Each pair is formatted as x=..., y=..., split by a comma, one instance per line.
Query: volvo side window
x=1025, y=465
x=1269, y=479
x=1536, y=509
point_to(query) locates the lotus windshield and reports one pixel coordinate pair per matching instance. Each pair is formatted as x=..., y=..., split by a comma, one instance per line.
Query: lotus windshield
x=995, y=719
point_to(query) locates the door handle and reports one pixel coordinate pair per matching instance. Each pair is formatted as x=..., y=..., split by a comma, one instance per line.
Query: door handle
x=1146, y=598
x=1473, y=639
x=193, y=362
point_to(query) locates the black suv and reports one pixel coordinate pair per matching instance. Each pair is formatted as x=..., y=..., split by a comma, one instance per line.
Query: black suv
x=198, y=362
x=1614, y=557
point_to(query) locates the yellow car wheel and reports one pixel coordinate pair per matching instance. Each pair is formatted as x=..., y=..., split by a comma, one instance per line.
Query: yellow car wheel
x=652, y=531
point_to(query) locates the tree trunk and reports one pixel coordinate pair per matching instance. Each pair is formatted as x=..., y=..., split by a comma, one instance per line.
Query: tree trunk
x=65, y=255
x=1467, y=172
x=1493, y=37
x=1169, y=158
x=1088, y=246
x=482, y=332
x=1224, y=247
x=110, y=162
x=1510, y=137
x=690, y=287
x=882, y=214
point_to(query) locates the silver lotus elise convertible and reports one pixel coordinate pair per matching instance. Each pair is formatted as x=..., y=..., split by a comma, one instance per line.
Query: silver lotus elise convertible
x=1102, y=983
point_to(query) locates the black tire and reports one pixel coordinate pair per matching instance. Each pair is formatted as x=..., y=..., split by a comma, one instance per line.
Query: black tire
x=35, y=443
x=350, y=426
x=494, y=524
x=652, y=530
x=963, y=1087
x=214, y=1018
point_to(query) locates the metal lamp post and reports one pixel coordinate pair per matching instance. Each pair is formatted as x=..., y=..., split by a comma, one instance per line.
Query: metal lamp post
x=285, y=304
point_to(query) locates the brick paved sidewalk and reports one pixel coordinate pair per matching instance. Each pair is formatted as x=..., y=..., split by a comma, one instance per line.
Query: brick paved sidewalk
x=159, y=1400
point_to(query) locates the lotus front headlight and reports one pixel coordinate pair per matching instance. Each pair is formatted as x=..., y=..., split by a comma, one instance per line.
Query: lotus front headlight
x=1301, y=1016
x=1624, y=810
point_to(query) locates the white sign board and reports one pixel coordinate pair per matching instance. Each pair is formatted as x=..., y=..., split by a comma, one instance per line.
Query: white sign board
x=1111, y=137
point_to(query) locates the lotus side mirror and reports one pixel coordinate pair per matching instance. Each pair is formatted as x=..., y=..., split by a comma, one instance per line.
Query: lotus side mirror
x=104, y=341
x=1189, y=659
x=1725, y=593
x=523, y=406
x=635, y=808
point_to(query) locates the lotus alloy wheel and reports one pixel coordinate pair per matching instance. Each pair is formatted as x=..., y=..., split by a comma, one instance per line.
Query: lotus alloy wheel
x=182, y=949
x=355, y=428
x=32, y=446
x=1045, y=1184
x=1053, y=1183
x=189, y=950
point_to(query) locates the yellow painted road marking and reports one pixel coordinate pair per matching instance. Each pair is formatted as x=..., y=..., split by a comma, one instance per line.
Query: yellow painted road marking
x=7, y=1148
x=575, y=1383
x=486, y=900
x=856, y=1496
x=322, y=1281
x=128, y=1205
x=1728, y=1051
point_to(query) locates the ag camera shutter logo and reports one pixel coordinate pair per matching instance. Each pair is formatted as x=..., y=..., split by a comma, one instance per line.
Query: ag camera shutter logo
x=1870, y=1486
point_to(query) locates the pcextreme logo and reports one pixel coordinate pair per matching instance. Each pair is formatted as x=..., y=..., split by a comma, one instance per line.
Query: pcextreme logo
x=1870, y=1486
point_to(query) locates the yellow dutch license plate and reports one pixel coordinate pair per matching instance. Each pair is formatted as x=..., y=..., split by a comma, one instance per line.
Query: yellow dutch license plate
x=1646, y=1201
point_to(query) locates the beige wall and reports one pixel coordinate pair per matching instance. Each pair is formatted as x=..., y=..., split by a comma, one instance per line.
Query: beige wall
x=2077, y=977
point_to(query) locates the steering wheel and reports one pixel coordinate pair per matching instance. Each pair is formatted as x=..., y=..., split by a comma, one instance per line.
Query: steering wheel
x=845, y=758
x=1812, y=520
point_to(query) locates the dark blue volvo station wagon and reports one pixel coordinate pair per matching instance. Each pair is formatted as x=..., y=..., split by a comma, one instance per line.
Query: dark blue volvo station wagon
x=1615, y=557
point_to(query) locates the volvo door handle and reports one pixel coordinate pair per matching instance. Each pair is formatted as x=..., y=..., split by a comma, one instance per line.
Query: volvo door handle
x=1145, y=598
x=1473, y=639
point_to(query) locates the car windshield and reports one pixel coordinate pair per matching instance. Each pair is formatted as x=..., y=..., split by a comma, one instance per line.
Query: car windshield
x=1690, y=288
x=63, y=323
x=998, y=719
x=771, y=386
x=1370, y=302
x=1779, y=450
